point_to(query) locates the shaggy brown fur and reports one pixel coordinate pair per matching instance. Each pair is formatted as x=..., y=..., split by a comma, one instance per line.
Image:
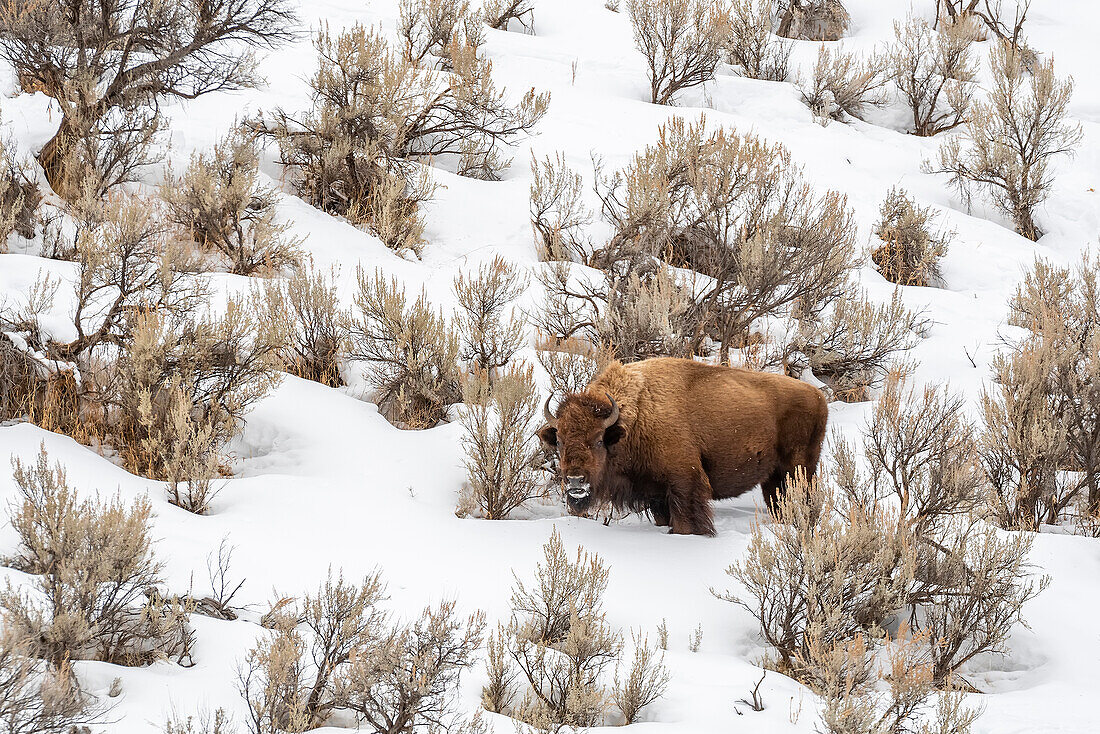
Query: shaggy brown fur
x=687, y=433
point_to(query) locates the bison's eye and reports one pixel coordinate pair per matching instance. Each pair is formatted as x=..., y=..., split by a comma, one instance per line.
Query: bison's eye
x=599, y=443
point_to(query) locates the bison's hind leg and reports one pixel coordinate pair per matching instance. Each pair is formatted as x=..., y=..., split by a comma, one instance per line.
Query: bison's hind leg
x=773, y=486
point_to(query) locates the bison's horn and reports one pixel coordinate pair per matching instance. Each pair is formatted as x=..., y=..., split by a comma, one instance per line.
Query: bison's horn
x=614, y=417
x=550, y=418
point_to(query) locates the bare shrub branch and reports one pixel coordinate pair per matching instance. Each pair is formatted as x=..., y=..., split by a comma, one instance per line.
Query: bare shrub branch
x=109, y=67
x=97, y=578
x=852, y=348
x=558, y=213
x=489, y=330
x=682, y=42
x=845, y=84
x=410, y=350
x=1011, y=139
x=933, y=71
x=645, y=683
x=501, y=456
x=751, y=43
x=912, y=248
x=499, y=14
x=221, y=203
x=315, y=326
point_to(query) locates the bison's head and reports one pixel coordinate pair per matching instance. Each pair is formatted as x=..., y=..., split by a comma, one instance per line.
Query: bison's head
x=582, y=433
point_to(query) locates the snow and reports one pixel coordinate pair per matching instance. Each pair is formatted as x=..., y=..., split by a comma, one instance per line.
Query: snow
x=322, y=480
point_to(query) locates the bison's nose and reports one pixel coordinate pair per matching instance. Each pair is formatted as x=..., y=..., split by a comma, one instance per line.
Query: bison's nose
x=577, y=488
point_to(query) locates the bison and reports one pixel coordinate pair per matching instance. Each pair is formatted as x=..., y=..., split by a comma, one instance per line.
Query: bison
x=670, y=435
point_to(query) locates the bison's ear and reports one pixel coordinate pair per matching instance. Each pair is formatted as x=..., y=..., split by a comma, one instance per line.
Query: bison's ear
x=613, y=434
x=549, y=436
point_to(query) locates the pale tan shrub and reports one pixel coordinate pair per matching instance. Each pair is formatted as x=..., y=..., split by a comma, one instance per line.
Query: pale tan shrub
x=971, y=585
x=205, y=722
x=563, y=681
x=19, y=196
x=570, y=364
x=498, y=693
x=856, y=704
x=561, y=587
x=410, y=681
x=337, y=650
x=852, y=349
x=220, y=201
x=910, y=524
x=736, y=210
x=433, y=27
x=645, y=317
x=293, y=680
x=410, y=350
x=501, y=456
x=983, y=587
x=845, y=84
x=1025, y=445
x=812, y=20
x=644, y=314
x=96, y=592
x=912, y=247
x=314, y=324
x=934, y=71
x=751, y=44
x=921, y=454
x=817, y=581
x=108, y=100
x=1061, y=309
x=558, y=212
x=1011, y=139
x=992, y=16
x=273, y=683
x=490, y=332
x=29, y=388
x=184, y=385
x=124, y=251
x=95, y=150
x=391, y=210
x=37, y=700
x=376, y=113
x=184, y=450
x=646, y=682
x=695, y=642
x=681, y=40
x=559, y=642
x=499, y=14
x=126, y=271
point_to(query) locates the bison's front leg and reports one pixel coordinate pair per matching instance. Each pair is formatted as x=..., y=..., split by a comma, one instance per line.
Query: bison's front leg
x=658, y=508
x=689, y=504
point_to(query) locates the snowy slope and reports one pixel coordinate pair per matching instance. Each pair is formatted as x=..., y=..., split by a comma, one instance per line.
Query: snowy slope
x=322, y=480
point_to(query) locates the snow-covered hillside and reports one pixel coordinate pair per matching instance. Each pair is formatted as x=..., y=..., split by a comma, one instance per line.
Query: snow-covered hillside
x=321, y=480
